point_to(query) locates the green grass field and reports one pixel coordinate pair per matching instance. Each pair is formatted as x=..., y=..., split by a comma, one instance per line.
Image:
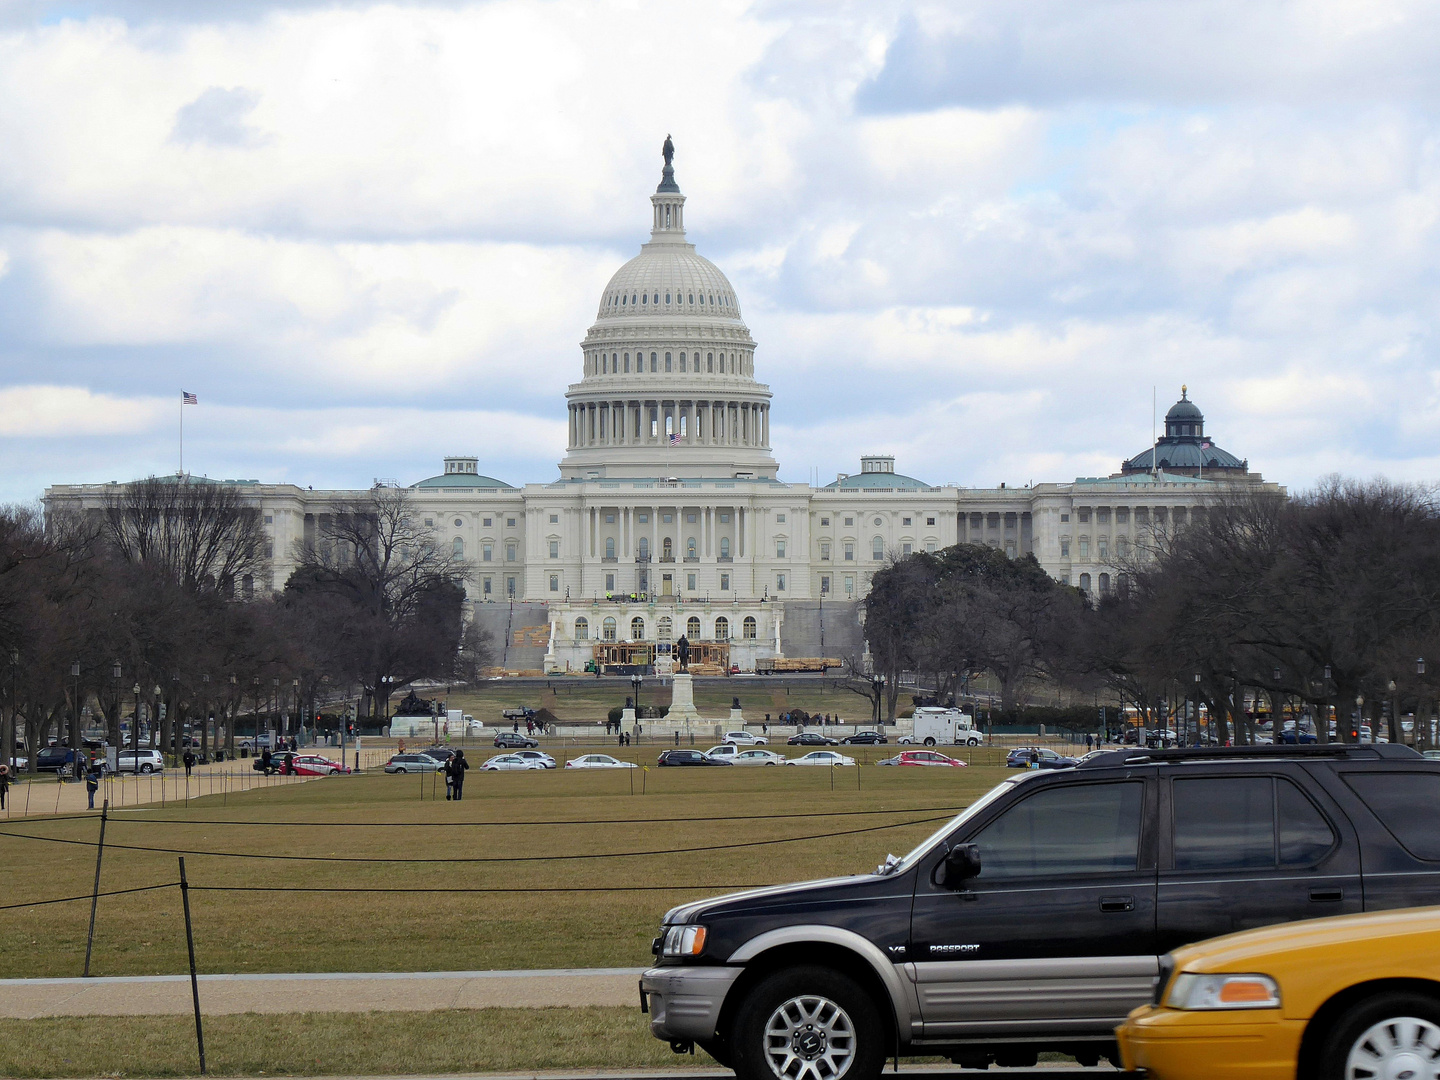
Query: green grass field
x=594, y=866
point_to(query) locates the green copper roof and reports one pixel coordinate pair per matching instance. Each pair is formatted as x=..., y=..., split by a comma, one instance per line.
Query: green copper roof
x=462, y=480
x=879, y=480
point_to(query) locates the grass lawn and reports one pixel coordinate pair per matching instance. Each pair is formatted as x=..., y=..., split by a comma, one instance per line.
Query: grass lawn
x=564, y=906
x=337, y=1044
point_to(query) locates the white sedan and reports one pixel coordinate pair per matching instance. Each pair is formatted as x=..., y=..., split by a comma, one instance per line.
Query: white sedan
x=509, y=763
x=822, y=757
x=599, y=761
x=757, y=757
x=545, y=760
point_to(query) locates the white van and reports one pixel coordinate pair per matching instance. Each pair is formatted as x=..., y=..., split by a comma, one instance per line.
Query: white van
x=943, y=727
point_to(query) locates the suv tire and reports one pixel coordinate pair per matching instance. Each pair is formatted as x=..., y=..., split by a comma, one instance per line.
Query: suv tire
x=1381, y=1034
x=819, y=1021
x=147, y=768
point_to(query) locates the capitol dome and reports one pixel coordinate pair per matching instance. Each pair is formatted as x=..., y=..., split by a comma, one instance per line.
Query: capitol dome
x=668, y=386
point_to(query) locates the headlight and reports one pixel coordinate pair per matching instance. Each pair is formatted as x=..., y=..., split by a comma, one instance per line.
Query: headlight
x=1214, y=992
x=684, y=941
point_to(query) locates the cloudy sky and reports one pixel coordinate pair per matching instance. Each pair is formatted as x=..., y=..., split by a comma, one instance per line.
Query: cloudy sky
x=976, y=235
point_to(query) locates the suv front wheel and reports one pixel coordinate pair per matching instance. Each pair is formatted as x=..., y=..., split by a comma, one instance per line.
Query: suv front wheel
x=808, y=1023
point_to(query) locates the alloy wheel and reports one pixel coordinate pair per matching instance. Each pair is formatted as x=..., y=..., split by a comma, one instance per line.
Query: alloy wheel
x=809, y=1037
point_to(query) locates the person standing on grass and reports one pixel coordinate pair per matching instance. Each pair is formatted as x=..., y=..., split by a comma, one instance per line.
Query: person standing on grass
x=189, y=760
x=4, y=784
x=457, y=766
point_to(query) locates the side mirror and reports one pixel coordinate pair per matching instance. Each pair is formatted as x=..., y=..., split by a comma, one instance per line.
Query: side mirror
x=961, y=863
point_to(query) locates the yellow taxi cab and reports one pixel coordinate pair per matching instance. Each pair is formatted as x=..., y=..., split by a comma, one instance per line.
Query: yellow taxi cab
x=1356, y=997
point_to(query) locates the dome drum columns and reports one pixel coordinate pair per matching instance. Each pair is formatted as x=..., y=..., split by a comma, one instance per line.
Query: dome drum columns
x=651, y=421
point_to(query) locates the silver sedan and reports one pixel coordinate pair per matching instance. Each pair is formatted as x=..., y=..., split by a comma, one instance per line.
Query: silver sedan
x=822, y=757
x=758, y=757
x=510, y=763
x=599, y=761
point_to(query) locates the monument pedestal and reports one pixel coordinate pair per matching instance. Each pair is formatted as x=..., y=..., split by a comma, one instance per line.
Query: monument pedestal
x=627, y=719
x=737, y=721
x=682, y=701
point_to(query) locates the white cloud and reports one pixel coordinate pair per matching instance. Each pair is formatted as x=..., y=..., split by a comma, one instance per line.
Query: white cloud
x=71, y=412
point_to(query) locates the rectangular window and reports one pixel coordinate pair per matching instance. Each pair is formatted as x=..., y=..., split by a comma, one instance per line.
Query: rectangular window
x=509, y=552
x=666, y=518
x=1065, y=548
x=690, y=582
x=1084, y=549
x=724, y=519
x=904, y=521
x=510, y=522
x=824, y=584
x=780, y=519
x=487, y=523
x=554, y=549
x=849, y=551
x=269, y=549
x=429, y=523
x=1085, y=514
x=824, y=523
x=1102, y=548
x=779, y=549
x=510, y=587
x=269, y=519
x=554, y=582
x=609, y=583
x=1122, y=515
x=554, y=519
x=930, y=546
x=929, y=521
x=906, y=549
x=609, y=519
x=487, y=552
x=849, y=521
x=1224, y=823
x=825, y=551
x=1079, y=829
x=1064, y=579
x=690, y=518
x=485, y=586
x=724, y=582
x=779, y=582
x=1064, y=517
x=849, y=585
x=644, y=519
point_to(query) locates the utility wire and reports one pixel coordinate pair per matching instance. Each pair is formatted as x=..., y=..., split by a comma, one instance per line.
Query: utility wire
x=88, y=896
x=568, y=822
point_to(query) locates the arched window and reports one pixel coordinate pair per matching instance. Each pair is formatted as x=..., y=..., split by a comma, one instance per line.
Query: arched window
x=692, y=298
x=682, y=361
x=722, y=629
x=1085, y=583
x=724, y=547
x=748, y=628
x=637, y=629
x=582, y=629
x=664, y=629
x=692, y=628
x=247, y=586
x=644, y=547
x=710, y=361
x=652, y=361
x=668, y=366
x=457, y=546
x=1104, y=584
x=690, y=548
x=610, y=547
x=877, y=548
x=607, y=628
x=627, y=362
x=667, y=549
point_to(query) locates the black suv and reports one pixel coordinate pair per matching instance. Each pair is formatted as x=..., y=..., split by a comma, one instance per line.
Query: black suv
x=1038, y=918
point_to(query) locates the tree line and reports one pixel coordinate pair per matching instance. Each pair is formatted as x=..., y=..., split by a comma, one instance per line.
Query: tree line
x=150, y=601
x=1325, y=600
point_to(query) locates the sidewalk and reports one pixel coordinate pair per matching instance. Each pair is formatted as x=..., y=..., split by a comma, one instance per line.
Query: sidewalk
x=158, y=995
x=46, y=795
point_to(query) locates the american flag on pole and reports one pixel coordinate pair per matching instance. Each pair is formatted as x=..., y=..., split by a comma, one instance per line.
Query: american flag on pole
x=674, y=436
x=187, y=398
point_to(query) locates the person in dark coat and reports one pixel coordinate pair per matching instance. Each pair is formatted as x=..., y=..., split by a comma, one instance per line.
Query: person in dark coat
x=189, y=760
x=267, y=762
x=92, y=782
x=456, y=767
x=4, y=784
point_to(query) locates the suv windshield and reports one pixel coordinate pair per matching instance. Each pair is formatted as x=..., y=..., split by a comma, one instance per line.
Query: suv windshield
x=893, y=865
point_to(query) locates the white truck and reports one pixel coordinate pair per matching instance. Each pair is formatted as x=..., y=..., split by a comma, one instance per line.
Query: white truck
x=943, y=727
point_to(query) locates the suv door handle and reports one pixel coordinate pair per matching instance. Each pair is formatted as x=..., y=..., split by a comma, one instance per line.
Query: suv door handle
x=1117, y=903
x=1327, y=896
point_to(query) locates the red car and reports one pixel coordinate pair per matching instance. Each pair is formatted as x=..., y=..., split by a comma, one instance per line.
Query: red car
x=923, y=757
x=312, y=765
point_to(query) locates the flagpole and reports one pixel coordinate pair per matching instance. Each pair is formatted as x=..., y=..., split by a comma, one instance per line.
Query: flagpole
x=181, y=474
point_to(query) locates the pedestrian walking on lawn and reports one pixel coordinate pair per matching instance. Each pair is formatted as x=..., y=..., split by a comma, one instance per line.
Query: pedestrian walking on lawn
x=4, y=784
x=92, y=782
x=456, y=767
x=189, y=760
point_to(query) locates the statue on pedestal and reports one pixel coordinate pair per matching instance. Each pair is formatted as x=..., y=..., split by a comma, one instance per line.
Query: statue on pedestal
x=682, y=650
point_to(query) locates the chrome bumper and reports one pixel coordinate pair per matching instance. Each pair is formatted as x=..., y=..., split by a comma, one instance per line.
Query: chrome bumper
x=685, y=1002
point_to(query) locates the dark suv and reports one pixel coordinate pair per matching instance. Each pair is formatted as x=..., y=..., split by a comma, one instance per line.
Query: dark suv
x=513, y=740
x=1039, y=917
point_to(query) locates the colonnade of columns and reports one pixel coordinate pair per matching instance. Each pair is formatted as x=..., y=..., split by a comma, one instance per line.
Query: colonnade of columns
x=650, y=422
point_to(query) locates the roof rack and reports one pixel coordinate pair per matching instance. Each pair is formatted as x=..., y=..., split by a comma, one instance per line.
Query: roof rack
x=1353, y=751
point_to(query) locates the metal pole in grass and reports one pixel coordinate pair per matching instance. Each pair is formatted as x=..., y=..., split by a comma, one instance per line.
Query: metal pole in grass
x=95, y=895
x=194, y=980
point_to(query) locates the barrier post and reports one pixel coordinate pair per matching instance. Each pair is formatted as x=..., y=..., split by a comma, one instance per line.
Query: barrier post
x=194, y=979
x=95, y=893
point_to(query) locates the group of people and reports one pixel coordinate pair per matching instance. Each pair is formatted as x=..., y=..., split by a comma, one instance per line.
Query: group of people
x=454, y=771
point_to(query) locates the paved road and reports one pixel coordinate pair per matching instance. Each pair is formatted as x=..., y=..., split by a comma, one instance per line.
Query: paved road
x=158, y=995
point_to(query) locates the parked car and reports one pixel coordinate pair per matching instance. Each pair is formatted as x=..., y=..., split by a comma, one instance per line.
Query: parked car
x=544, y=759
x=441, y=754
x=923, y=757
x=149, y=761
x=513, y=740
x=822, y=757
x=56, y=759
x=1355, y=996
x=865, y=738
x=744, y=738
x=688, y=757
x=408, y=763
x=599, y=761
x=757, y=757
x=315, y=765
x=1022, y=757
x=811, y=738
x=1053, y=883
x=1288, y=734
x=510, y=763
x=725, y=750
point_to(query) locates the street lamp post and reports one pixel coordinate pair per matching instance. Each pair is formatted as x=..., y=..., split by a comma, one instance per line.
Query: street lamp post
x=119, y=743
x=1396, y=735
x=1322, y=730
x=255, y=684
x=299, y=720
x=1360, y=718
x=135, y=733
x=75, y=739
x=1197, y=706
x=205, y=717
x=1429, y=734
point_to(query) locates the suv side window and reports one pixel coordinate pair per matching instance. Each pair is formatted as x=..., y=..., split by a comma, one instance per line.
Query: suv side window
x=1246, y=823
x=1408, y=804
x=1074, y=829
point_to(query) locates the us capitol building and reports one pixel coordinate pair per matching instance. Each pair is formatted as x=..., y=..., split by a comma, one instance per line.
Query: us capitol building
x=668, y=518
